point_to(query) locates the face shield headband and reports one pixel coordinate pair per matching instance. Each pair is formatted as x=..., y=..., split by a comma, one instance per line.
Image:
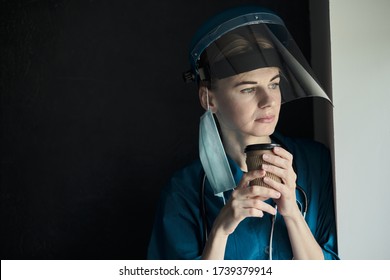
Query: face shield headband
x=240, y=63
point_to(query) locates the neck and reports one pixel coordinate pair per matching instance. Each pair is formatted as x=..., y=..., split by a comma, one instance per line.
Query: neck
x=235, y=144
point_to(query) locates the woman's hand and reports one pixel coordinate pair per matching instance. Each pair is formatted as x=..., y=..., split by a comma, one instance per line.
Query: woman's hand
x=303, y=243
x=280, y=164
x=245, y=201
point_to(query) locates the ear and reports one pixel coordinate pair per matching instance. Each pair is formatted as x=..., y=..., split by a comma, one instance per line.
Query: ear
x=203, y=92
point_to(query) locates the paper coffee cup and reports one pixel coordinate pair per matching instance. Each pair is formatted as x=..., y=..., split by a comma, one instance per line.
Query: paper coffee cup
x=254, y=160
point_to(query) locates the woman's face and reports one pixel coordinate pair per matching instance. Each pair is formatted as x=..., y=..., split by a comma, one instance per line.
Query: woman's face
x=248, y=104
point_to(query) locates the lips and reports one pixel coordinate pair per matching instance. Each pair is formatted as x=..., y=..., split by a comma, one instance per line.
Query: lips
x=266, y=119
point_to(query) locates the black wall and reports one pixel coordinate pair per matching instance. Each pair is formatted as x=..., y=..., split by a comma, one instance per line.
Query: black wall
x=95, y=118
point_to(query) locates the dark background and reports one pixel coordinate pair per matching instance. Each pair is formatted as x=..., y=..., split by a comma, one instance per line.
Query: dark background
x=95, y=117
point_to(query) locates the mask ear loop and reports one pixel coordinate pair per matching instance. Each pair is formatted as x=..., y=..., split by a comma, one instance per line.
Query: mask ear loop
x=207, y=99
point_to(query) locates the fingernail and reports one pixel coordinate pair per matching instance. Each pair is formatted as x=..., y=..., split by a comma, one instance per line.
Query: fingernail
x=265, y=156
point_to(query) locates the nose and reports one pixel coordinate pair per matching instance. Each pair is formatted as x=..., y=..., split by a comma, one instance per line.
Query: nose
x=266, y=98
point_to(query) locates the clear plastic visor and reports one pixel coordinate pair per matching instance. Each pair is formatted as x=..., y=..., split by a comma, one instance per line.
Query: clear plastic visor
x=255, y=46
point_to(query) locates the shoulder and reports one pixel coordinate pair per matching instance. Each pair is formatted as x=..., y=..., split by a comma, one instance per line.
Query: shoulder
x=190, y=171
x=185, y=181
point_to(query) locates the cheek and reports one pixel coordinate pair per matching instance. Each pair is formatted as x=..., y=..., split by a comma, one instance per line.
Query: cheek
x=236, y=112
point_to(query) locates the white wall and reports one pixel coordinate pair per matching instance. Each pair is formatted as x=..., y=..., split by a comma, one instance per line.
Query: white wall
x=360, y=51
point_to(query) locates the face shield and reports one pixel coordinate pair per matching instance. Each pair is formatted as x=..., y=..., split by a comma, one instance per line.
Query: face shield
x=243, y=40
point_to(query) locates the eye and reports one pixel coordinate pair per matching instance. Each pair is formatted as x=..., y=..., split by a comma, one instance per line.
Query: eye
x=248, y=90
x=273, y=86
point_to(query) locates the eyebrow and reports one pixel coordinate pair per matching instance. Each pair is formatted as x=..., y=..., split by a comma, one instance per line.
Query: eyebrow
x=255, y=83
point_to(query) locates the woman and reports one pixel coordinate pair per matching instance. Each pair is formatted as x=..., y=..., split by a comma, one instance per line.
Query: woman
x=246, y=66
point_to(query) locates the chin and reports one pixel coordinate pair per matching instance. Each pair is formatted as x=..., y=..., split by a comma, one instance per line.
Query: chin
x=265, y=132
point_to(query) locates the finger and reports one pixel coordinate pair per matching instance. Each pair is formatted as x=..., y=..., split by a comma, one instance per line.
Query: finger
x=249, y=176
x=243, y=209
x=279, y=172
x=253, y=208
x=259, y=205
x=283, y=153
x=276, y=160
x=261, y=191
x=252, y=212
x=278, y=187
x=288, y=176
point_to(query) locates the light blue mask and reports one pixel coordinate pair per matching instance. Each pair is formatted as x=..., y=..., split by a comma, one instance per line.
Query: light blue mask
x=213, y=156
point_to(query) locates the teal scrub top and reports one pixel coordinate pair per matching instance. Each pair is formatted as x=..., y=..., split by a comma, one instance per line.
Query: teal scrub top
x=178, y=231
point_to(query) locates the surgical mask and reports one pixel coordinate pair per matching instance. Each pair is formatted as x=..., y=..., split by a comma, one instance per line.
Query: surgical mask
x=212, y=155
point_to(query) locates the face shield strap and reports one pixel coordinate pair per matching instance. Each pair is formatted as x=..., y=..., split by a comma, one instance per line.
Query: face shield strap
x=204, y=73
